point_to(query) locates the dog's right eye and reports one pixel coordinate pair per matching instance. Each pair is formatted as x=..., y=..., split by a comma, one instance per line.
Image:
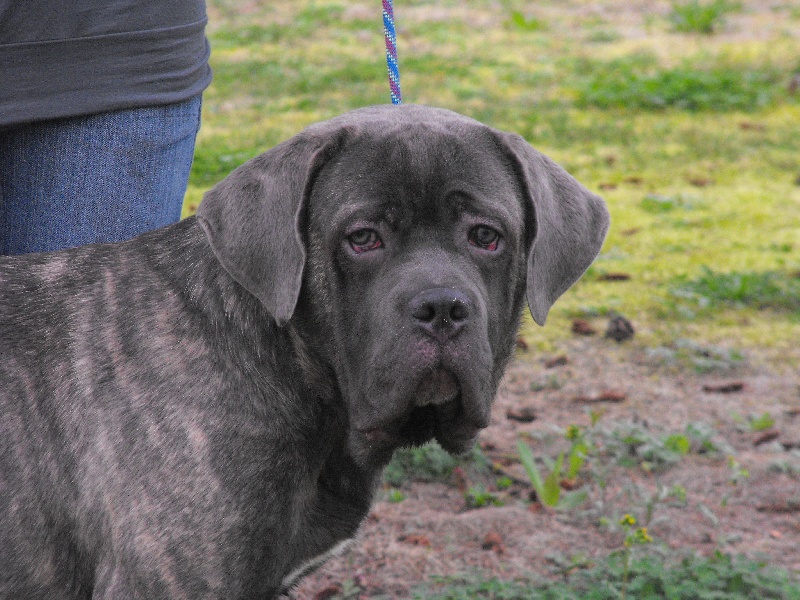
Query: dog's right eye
x=484, y=237
x=364, y=240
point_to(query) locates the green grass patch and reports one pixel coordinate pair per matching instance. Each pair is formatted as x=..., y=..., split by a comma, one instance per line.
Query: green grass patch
x=518, y=20
x=430, y=462
x=702, y=358
x=697, y=16
x=718, y=577
x=638, y=81
x=761, y=290
x=656, y=204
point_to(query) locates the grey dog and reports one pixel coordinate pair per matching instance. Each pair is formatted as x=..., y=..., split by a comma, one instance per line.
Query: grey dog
x=204, y=411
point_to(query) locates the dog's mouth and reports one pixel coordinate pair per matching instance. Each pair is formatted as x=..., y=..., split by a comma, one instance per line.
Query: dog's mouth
x=437, y=413
x=438, y=388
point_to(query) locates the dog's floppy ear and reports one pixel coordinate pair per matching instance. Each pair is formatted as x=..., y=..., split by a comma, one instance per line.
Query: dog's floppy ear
x=252, y=219
x=571, y=224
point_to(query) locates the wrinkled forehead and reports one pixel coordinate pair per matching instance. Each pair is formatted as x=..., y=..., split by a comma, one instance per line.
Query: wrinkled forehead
x=416, y=167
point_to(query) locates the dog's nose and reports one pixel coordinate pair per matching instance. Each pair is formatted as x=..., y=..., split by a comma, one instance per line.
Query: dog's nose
x=441, y=312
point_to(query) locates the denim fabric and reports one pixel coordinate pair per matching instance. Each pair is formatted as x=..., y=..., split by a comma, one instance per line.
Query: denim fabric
x=100, y=178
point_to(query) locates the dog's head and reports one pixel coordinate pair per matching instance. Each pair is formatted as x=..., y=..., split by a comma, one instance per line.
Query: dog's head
x=405, y=240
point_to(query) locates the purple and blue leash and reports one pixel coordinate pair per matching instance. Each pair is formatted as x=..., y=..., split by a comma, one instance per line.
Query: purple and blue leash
x=391, y=52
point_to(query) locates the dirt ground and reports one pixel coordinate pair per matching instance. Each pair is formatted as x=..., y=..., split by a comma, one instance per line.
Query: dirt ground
x=432, y=532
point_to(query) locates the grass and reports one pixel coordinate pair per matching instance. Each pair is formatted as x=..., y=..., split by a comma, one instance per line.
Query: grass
x=779, y=291
x=692, y=140
x=638, y=81
x=430, y=463
x=694, y=16
x=718, y=577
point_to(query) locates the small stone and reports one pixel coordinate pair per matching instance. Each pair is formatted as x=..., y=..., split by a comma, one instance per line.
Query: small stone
x=604, y=396
x=581, y=327
x=415, y=539
x=619, y=329
x=726, y=387
x=750, y=126
x=328, y=592
x=614, y=276
x=493, y=541
x=766, y=436
x=558, y=361
x=780, y=506
x=522, y=414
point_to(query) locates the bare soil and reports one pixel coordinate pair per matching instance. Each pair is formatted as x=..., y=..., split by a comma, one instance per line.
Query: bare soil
x=432, y=532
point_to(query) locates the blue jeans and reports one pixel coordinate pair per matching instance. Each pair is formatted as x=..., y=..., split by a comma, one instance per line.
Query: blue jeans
x=100, y=178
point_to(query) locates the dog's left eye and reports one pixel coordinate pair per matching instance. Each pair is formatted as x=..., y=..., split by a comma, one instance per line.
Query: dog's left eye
x=364, y=240
x=484, y=237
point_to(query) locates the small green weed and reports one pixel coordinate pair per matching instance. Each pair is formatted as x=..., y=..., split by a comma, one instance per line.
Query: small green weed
x=518, y=20
x=395, y=496
x=634, y=446
x=603, y=36
x=478, y=496
x=548, y=489
x=705, y=440
x=565, y=566
x=427, y=463
x=634, y=536
x=430, y=463
x=737, y=474
x=761, y=422
x=700, y=17
x=503, y=483
x=552, y=382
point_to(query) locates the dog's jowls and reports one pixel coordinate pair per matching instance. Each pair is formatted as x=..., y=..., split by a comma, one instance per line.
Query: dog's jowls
x=204, y=411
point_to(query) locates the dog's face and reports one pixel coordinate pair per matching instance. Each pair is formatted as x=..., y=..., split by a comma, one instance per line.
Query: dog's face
x=403, y=241
x=418, y=241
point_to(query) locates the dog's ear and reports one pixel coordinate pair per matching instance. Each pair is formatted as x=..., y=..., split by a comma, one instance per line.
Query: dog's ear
x=570, y=225
x=252, y=218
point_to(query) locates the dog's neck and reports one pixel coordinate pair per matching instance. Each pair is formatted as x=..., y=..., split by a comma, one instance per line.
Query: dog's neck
x=344, y=489
x=332, y=493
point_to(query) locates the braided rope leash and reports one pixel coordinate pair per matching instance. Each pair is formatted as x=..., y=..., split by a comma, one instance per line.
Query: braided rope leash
x=391, y=52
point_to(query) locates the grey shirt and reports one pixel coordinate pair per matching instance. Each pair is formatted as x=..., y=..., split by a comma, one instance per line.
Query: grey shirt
x=62, y=58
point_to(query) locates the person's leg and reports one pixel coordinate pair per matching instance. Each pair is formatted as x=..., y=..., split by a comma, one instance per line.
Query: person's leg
x=101, y=178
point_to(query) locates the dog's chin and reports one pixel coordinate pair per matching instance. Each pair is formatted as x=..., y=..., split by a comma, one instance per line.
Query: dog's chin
x=438, y=413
